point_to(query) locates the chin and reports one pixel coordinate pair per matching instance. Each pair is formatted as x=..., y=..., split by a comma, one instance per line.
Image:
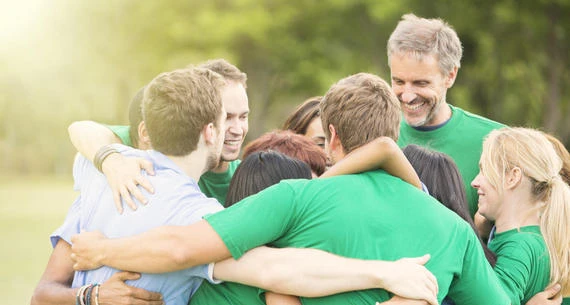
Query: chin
x=229, y=157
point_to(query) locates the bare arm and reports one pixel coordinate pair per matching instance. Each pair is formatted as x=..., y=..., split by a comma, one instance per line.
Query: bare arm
x=381, y=153
x=316, y=273
x=54, y=287
x=164, y=249
x=123, y=174
x=88, y=137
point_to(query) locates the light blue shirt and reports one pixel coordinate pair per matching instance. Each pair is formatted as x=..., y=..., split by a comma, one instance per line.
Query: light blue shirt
x=177, y=200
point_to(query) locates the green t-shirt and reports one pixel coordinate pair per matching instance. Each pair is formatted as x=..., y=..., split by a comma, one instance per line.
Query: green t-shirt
x=371, y=215
x=461, y=138
x=216, y=185
x=122, y=132
x=523, y=264
x=213, y=185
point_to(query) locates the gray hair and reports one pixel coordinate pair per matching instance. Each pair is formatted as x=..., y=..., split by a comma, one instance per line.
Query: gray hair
x=420, y=37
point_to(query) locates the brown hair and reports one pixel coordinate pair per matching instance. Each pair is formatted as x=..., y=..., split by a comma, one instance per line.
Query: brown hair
x=361, y=107
x=228, y=71
x=301, y=118
x=176, y=107
x=292, y=145
x=421, y=36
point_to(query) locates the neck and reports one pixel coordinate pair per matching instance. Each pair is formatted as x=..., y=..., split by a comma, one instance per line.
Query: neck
x=444, y=114
x=222, y=167
x=518, y=211
x=193, y=164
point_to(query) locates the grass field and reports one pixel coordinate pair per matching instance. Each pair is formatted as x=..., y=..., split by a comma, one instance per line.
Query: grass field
x=30, y=209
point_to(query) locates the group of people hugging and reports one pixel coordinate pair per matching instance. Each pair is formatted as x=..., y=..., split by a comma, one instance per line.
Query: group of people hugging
x=371, y=193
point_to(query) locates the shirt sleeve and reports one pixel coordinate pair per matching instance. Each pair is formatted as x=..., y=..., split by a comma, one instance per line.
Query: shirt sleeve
x=70, y=225
x=122, y=132
x=513, y=271
x=256, y=220
x=477, y=283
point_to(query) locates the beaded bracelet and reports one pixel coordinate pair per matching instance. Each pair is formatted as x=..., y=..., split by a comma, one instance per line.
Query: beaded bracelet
x=101, y=155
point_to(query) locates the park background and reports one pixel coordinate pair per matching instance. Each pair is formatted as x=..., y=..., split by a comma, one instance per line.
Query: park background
x=68, y=60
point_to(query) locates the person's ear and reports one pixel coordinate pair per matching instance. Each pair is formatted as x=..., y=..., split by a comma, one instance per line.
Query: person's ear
x=209, y=134
x=513, y=178
x=450, y=77
x=144, y=139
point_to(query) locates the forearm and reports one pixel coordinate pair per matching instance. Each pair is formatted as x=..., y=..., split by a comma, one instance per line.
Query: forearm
x=88, y=137
x=164, y=249
x=53, y=294
x=302, y=272
x=381, y=153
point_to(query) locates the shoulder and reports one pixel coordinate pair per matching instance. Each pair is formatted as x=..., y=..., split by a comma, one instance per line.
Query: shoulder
x=475, y=119
x=517, y=243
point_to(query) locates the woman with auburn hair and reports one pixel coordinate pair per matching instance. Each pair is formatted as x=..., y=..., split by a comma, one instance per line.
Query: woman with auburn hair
x=306, y=121
x=521, y=190
x=292, y=145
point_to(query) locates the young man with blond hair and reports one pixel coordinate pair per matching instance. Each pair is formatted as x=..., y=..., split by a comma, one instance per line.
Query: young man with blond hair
x=123, y=173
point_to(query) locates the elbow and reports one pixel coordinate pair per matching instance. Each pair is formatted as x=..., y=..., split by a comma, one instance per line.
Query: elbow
x=38, y=297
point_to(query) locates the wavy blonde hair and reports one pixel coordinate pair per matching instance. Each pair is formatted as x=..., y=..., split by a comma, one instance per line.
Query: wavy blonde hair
x=531, y=151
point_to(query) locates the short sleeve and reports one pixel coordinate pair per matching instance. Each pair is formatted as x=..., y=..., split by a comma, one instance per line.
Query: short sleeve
x=477, y=283
x=70, y=226
x=256, y=220
x=122, y=132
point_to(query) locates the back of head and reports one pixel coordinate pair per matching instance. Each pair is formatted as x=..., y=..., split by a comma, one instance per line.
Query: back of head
x=176, y=107
x=299, y=120
x=135, y=116
x=420, y=37
x=261, y=170
x=361, y=107
x=441, y=176
x=228, y=71
x=563, y=154
x=292, y=145
x=530, y=150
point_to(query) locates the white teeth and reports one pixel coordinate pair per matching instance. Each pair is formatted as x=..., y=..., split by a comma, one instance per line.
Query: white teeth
x=413, y=107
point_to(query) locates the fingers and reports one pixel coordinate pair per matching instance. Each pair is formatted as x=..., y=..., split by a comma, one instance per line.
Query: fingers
x=147, y=166
x=117, y=200
x=142, y=181
x=553, y=291
x=126, y=195
x=142, y=294
x=126, y=276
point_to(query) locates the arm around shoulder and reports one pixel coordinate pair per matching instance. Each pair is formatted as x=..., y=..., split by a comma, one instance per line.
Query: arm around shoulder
x=89, y=136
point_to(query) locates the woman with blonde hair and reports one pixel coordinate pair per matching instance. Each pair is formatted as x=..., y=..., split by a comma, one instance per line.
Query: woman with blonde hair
x=521, y=190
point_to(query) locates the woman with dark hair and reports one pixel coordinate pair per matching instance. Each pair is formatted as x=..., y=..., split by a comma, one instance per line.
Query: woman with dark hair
x=306, y=120
x=443, y=180
x=262, y=169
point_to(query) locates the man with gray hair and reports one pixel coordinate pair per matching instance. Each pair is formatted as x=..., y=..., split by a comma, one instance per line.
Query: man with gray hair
x=424, y=57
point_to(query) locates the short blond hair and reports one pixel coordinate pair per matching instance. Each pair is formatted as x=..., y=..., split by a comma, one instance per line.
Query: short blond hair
x=420, y=36
x=361, y=107
x=177, y=105
x=228, y=71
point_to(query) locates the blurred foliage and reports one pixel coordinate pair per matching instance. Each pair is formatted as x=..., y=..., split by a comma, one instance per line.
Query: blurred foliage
x=82, y=60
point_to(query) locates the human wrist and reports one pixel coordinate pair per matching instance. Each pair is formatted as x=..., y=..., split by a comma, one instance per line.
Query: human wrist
x=110, y=162
x=103, y=154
